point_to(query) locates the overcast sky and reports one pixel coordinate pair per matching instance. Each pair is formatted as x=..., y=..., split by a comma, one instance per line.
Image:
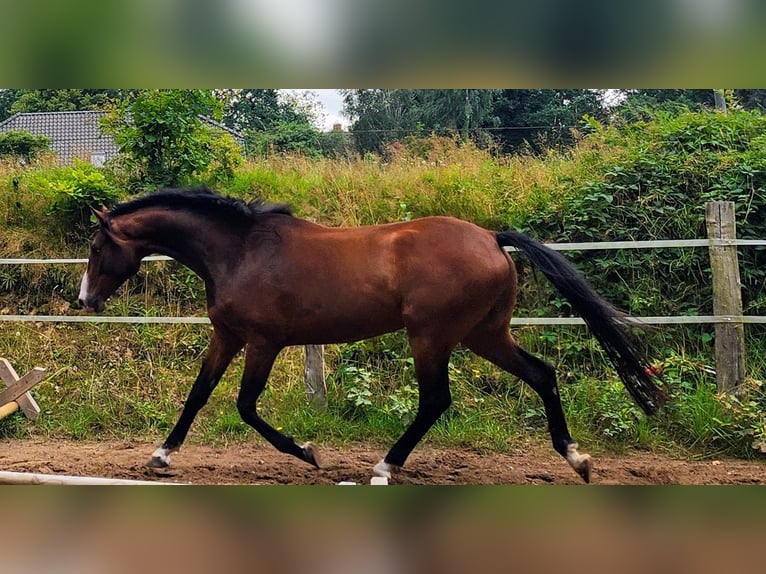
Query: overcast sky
x=332, y=102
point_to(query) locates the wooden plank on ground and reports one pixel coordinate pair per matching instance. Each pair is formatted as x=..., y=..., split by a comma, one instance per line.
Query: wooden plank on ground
x=21, y=386
x=26, y=402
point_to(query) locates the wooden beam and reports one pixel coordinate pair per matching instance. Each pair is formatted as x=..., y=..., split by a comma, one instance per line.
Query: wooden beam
x=727, y=295
x=27, y=404
x=8, y=409
x=16, y=390
x=316, y=388
x=8, y=477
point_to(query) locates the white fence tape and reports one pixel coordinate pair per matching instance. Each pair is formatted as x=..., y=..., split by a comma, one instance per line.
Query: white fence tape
x=518, y=321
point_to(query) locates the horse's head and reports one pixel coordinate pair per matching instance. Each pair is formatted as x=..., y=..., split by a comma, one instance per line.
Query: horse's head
x=111, y=262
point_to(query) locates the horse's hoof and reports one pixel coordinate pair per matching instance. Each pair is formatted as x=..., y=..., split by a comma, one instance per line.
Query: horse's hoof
x=311, y=454
x=384, y=469
x=581, y=463
x=157, y=462
x=584, y=468
x=160, y=458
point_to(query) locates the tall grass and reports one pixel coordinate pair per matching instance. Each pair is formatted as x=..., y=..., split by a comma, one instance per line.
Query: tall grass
x=440, y=177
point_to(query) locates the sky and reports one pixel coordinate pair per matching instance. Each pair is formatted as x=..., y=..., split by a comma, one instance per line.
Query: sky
x=332, y=102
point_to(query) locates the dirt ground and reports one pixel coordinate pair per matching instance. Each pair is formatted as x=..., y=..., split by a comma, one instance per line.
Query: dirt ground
x=258, y=463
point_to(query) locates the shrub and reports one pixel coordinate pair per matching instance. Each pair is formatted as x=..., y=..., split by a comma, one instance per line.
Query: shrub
x=287, y=137
x=161, y=137
x=72, y=191
x=657, y=189
x=22, y=144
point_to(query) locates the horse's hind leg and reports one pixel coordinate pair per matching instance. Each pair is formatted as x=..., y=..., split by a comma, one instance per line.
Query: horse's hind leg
x=221, y=351
x=431, y=369
x=259, y=359
x=503, y=351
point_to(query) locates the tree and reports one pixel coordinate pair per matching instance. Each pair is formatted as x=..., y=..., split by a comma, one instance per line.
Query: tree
x=638, y=103
x=271, y=121
x=288, y=137
x=63, y=100
x=533, y=118
x=160, y=134
x=7, y=98
x=751, y=99
x=251, y=110
x=382, y=116
x=457, y=110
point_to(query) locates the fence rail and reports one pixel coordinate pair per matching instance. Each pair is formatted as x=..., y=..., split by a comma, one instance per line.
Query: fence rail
x=582, y=246
x=518, y=321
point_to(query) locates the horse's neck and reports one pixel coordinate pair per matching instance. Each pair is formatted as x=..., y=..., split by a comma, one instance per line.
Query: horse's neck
x=188, y=238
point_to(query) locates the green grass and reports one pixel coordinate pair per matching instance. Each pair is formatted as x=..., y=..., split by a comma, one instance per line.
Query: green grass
x=129, y=382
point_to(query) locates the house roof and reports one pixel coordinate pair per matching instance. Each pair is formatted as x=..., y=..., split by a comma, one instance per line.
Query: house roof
x=77, y=134
x=73, y=134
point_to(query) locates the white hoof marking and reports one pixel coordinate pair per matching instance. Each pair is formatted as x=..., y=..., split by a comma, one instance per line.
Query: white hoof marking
x=163, y=455
x=383, y=469
x=575, y=459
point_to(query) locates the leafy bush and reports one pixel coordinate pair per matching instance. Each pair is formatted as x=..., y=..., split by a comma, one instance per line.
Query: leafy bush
x=22, y=144
x=225, y=155
x=161, y=137
x=74, y=190
x=657, y=189
x=287, y=137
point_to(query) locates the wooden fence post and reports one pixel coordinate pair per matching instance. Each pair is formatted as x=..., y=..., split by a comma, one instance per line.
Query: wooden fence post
x=316, y=389
x=727, y=295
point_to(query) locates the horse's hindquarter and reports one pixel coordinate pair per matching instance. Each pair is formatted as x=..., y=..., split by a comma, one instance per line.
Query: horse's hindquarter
x=457, y=273
x=320, y=285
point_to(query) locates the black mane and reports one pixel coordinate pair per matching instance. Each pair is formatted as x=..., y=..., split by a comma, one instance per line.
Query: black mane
x=204, y=201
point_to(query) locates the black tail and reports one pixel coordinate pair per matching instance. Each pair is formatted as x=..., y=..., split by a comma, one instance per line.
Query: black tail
x=605, y=321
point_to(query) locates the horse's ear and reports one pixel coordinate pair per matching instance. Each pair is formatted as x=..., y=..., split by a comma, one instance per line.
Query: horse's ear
x=101, y=216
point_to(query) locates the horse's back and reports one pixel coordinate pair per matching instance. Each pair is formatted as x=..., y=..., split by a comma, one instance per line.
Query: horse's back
x=363, y=281
x=418, y=250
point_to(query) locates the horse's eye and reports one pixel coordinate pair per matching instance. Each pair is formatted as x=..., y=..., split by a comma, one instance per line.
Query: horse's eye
x=96, y=250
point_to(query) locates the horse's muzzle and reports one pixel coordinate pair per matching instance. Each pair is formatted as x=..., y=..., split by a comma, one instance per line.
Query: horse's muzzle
x=88, y=302
x=94, y=304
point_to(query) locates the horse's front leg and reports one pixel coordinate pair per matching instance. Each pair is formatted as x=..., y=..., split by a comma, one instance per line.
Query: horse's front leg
x=259, y=358
x=223, y=347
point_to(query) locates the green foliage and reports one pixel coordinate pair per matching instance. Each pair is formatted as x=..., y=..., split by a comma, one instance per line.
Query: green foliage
x=7, y=97
x=385, y=116
x=543, y=118
x=335, y=145
x=657, y=189
x=72, y=191
x=698, y=415
x=287, y=137
x=517, y=120
x=58, y=100
x=22, y=144
x=161, y=137
x=643, y=104
x=225, y=155
x=359, y=374
x=261, y=110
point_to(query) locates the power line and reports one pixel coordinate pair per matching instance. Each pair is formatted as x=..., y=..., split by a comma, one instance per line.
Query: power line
x=422, y=130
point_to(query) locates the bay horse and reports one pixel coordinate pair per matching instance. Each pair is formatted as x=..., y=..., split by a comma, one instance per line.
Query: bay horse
x=273, y=280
